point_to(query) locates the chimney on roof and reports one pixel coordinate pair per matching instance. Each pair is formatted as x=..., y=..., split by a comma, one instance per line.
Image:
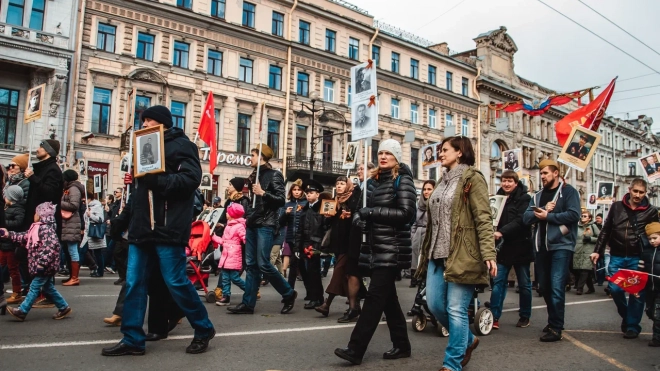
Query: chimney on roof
x=442, y=48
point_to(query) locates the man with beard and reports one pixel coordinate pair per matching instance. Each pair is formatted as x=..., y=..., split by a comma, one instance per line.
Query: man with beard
x=554, y=212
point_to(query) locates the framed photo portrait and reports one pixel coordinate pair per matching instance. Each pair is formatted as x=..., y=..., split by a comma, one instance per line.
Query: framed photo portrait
x=105, y=182
x=605, y=193
x=82, y=167
x=650, y=165
x=580, y=148
x=592, y=203
x=207, y=181
x=363, y=81
x=429, y=158
x=351, y=157
x=364, y=120
x=496, y=208
x=512, y=160
x=213, y=217
x=34, y=103
x=97, y=183
x=328, y=207
x=149, y=154
x=124, y=163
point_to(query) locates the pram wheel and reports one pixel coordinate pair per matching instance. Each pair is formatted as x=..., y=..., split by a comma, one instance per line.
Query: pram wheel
x=483, y=322
x=419, y=322
x=210, y=297
x=442, y=331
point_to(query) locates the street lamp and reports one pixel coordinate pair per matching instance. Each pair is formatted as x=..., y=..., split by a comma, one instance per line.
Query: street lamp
x=323, y=118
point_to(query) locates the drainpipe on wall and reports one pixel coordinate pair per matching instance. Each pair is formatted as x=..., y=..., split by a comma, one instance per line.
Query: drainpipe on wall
x=73, y=81
x=287, y=102
x=476, y=93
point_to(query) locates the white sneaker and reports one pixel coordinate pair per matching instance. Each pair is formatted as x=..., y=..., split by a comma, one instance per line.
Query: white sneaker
x=109, y=270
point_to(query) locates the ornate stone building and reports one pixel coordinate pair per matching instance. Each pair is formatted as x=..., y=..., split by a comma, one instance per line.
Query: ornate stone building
x=141, y=53
x=37, y=41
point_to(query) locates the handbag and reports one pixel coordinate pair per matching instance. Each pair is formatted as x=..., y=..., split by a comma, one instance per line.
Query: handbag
x=66, y=215
x=96, y=230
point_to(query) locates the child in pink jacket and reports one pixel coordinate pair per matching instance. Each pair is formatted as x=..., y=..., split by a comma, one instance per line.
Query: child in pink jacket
x=231, y=258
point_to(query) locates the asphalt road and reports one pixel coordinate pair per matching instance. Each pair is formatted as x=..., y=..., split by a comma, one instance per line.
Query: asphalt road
x=303, y=340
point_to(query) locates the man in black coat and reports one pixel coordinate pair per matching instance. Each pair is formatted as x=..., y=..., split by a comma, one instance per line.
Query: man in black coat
x=46, y=183
x=261, y=222
x=515, y=249
x=161, y=244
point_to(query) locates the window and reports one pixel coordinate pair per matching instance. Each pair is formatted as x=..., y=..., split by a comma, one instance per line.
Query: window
x=465, y=127
x=449, y=120
x=217, y=126
x=353, y=48
x=145, y=46
x=218, y=8
x=395, y=62
x=350, y=95
x=413, y=113
x=432, y=118
x=214, y=63
x=248, y=14
x=15, y=12
x=141, y=104
x=414, y=162
x=178, y=114
x=37, y=16
x=105, y=40
x=303, y=84
x=432, y=75
x=632, y=169
x=450, y=77
x=395, y=108
x=275, y=77
x=329, y=91
x=374, y=150
x=464, y=86
x=243, y=145
x=278, y=24
x=303, y=32
x=414, y=69
x=187, y=4
x=301, y=141
x=101, y=110
x=8, y=115
x=273, y=140
x=330, y=41
x=181, y=51
x=375, y=55
x=245, y=70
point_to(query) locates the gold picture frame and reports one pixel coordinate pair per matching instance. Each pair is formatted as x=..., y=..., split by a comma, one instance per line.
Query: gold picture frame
x=328, y=207
x=149, y=151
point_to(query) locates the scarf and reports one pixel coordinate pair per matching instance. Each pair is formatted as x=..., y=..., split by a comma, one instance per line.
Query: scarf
x=33, y=234
x=235, y=196
x=343, y=197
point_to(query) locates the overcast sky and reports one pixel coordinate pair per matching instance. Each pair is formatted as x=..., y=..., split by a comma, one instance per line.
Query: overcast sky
x=552, y=50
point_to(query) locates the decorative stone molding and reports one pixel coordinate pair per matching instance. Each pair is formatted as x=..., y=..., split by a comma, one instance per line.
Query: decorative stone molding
x=498, y=39
x=45, y=38
x=17, y=32
x=52, y=111
x=2, y=29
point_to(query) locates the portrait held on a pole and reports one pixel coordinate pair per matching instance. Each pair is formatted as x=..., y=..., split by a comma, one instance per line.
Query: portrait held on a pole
x=351, y=155
x=207, y=181
x=592, y=203
x=580, y=148
x=430, y=159
x=148, y=154
x=512, y=160
x=651, y=166
x=34, y=103
x=605, y=193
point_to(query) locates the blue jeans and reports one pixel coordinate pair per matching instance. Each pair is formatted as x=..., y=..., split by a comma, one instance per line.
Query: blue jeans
x=172, y=263
x=228, y=277
x=258, y=246
x=500, y=288
x=47, y=285
x=551, y=274
x=109, y=252
x=630, y=310
x=448, y=302
x=72, y=247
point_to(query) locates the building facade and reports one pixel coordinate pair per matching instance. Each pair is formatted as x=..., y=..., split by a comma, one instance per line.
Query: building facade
x=37, y=42
x=141, y=53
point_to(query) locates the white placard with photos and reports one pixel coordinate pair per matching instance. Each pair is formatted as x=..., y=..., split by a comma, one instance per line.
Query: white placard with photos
x=605, y=195
x=512, y=160
x=364, y=120
x=124, y=163
x=364, y=105
x=496, y=207
x=592, y=201
x=363, y=82
x=34, y=103
x=650, y=165
x=430, y=156
x=207, y=181
x=351, y=157
x=97, y=183
x=580, y=148
x=213, y=217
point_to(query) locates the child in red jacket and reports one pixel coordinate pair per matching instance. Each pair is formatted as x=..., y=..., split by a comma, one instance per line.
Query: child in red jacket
x=231, y=258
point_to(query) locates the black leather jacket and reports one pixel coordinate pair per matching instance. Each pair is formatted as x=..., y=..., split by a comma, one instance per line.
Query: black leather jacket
x=264, y=214
x=618, y=233
x=389, y=215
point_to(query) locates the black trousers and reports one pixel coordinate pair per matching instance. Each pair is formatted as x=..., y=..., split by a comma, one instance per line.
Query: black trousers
x=381, y=298
x=584, y=276
x=121, y=257
x=310, y=270
x=653, y=311
x=298, y=266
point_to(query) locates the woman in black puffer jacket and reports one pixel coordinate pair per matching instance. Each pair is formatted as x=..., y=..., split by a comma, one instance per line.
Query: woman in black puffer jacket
x=290, y=219
x=386, y=221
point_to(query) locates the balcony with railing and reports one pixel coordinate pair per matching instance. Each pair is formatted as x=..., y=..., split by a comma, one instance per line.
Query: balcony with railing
x=325, y=171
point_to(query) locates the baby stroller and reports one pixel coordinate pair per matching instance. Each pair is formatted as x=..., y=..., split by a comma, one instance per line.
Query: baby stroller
x=200, y=258
x=481, y=322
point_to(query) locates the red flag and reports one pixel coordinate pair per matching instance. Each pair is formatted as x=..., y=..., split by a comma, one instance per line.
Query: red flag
x=630, y=281
x=207, y=131
x=588, y=116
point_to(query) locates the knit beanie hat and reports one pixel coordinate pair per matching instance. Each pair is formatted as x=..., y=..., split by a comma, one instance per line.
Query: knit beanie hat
x=235, y=210
x=45, y=210
x=652, y=228
x=237, y=183
x=391, y=146
x=22, y=161
x=14, y=193
x=69, y=175
x=161, y=114
x=51, y=146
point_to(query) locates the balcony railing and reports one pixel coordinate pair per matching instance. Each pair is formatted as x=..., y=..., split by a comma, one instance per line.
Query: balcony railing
x=302, y=163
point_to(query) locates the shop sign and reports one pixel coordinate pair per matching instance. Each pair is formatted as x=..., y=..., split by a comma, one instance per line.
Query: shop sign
x=228, y=158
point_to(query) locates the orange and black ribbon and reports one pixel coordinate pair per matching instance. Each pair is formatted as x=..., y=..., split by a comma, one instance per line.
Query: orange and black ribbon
x=370, y=63
x=372, y=101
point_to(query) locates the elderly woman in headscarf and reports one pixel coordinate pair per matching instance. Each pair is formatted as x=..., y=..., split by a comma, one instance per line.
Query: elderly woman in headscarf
x=347, y=198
